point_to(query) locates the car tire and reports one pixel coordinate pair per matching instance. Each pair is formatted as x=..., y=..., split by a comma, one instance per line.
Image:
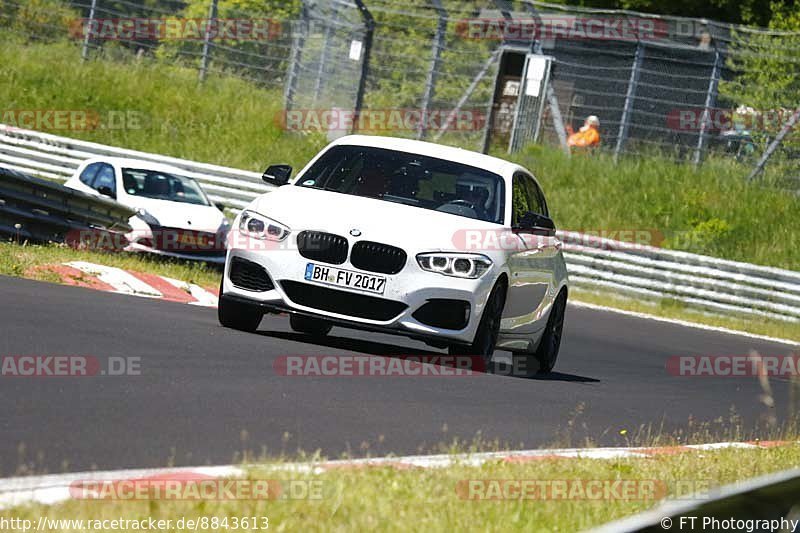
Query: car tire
x=488, y=329
x=238, y=315
x=547, y=352
x=311, y=326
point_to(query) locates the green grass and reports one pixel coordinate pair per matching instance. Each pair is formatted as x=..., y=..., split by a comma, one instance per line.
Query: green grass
x=387, y=499
x=226, y=120
x=22, y=260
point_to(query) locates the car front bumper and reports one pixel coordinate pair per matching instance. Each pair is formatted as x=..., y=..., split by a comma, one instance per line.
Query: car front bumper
x=412, y=287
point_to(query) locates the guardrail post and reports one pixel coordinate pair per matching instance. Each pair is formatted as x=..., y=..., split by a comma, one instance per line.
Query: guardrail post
x=369, y=23
x=630, y=96
x=212, y=17
x=436, y=57
x=711, y=100
x=88, y=30
x=298, y=42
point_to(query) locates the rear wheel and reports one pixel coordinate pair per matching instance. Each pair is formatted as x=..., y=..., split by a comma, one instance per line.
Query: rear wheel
x=488, y=330
x=547, y=352
x=309, y=325
x=238, y=315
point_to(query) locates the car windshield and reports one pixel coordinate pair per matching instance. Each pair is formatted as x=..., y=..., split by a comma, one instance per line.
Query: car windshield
x=410, y=179
x=162, y=186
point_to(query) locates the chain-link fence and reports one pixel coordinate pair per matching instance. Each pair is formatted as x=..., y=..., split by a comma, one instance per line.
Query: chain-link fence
x=455, y=71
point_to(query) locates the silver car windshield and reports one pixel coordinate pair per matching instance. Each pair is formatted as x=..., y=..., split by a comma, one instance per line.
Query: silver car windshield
x=411, y=179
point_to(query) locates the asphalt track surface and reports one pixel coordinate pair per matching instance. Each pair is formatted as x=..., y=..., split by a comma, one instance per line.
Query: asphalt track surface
x=206, y=393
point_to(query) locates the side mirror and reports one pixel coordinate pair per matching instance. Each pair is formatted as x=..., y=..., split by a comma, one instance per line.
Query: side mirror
x=106, y=191
x=537, y=223
x=220, y=206
x=277, y=175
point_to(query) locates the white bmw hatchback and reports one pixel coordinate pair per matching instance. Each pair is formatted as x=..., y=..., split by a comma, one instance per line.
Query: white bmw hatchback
x=440, y=244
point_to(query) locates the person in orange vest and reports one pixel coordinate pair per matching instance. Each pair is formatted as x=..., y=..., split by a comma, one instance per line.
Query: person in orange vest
x=586, y=137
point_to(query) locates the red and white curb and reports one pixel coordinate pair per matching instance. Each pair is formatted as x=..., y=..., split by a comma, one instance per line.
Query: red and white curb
x=55, y=488
x=112, y=279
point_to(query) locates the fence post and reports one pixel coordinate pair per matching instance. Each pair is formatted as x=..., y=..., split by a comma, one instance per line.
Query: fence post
x=323, y=56
x=464, y=97
x=630, y=95
x=711, y=100
x=298, y=42
x=88, y=30
x=550, y=94
x=436, y=56
x=504, y=6
x=212, y=17
x=774, y=144
x=369, y=23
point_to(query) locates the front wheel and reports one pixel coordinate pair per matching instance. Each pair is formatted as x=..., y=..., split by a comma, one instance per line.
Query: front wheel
x=238, y=315
x=488, y=330
x=309, y=325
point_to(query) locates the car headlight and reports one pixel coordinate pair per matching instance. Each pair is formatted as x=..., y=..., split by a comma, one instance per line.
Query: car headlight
x=470, y=266
x=260, y=227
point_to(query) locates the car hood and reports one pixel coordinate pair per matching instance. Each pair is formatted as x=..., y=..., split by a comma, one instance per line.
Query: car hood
x=180, y=215
x=401, y=225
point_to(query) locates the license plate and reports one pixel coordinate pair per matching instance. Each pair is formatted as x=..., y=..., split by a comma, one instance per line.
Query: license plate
x=345, y=278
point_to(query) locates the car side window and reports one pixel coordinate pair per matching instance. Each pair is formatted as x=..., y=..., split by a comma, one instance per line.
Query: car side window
x=537, y=196
x=526, y=197
x=519, y=199
x=88, y=174
x=105, y=178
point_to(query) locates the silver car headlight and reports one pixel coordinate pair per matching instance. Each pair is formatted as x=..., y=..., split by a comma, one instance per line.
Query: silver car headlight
x=258, y=226
x=147, y=217
x=470, y=266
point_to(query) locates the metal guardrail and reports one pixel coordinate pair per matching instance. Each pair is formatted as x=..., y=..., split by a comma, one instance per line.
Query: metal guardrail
x=54, y=157
x=747, y=506
x=641, y=272
x=39, y=210
x=710, y=283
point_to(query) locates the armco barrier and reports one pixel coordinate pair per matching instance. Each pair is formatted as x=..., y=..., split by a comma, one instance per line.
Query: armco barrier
x=34, y=209
x=54, y=157
x=766, y=503
x=641, y=272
